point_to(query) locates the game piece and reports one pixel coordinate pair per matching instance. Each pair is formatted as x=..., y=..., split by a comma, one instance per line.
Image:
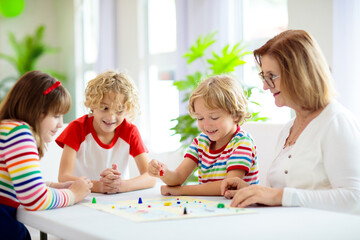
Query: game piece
x=113, y=207
x=165, y=208
x=93, y=200
x=178, y=202
x=161, y=173
x=220, y=205
x=140, y=201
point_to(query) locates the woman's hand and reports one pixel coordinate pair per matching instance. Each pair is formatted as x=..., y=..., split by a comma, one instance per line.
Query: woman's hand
x=229, y=186
x=244, y=194
x=256, y=194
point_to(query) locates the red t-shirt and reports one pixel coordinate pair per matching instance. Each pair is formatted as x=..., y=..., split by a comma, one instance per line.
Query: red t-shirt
x=92, y=155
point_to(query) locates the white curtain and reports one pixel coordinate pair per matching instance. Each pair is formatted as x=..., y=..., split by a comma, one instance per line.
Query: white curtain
x=201, y=17
x=346, y=52
x=107, y=59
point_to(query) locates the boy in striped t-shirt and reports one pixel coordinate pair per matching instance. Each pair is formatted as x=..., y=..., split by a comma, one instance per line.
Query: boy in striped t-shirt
x=222, y=150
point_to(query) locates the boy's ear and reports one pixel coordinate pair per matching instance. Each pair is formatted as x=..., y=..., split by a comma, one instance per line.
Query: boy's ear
x=236, y=120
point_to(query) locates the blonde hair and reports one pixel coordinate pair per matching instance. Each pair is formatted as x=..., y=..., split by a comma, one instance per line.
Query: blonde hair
x=222, y=92
x=118, y=84
x=26, y=102
x=305, y=75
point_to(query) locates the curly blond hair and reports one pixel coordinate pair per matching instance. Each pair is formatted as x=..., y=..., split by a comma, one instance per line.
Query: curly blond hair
x=117, y=84
x=222, y=92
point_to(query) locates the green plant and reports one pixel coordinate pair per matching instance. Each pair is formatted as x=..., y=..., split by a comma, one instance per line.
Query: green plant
x=223, y=63
x=27, y=53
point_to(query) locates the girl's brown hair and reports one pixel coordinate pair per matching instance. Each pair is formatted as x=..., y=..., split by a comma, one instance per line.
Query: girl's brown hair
x=304, y=74
x=27, y=102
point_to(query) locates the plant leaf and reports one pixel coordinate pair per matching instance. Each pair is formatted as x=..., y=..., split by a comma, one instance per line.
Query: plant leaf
x=228, y=61
x=198, y=49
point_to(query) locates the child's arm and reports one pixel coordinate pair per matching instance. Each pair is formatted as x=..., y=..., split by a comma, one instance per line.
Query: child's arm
x=118, y=185
x=67, y=165
x=66, y=169
x=142, y=181
x=205, y=189
x=172, y=178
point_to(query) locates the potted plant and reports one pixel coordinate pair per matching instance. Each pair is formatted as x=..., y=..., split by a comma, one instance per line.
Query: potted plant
x=225, y=62
x=27, y=52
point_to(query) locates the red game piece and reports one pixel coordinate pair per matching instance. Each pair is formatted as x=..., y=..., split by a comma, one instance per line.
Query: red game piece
x=161, y=173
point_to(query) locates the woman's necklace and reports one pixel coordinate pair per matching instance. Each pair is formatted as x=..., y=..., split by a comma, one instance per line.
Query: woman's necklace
x=293, y=136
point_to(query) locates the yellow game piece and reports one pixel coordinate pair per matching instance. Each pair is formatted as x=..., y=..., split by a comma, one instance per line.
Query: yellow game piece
x=113, y=206
x=167, y=204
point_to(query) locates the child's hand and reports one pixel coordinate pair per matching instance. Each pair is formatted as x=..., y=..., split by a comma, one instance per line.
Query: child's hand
x=156, y=168
x=111, y=173
x=229, y=186
x=81, y=187
x=111, y=180
x=170, y=191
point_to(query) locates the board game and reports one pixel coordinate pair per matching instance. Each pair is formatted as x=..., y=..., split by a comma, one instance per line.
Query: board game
x=165, y=208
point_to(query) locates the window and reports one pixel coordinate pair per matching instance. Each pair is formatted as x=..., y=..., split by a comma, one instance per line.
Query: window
x=86, y=35
x=163, y=96
x=263, y=20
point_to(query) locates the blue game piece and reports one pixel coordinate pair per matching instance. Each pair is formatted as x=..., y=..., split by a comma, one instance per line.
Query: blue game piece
x=140, y=201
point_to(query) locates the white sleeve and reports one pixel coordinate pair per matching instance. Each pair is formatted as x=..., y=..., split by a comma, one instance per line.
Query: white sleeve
x=341, y=150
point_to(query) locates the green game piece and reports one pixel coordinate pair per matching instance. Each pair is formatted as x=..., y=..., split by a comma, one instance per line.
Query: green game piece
x=94, y=200
x=220, y=205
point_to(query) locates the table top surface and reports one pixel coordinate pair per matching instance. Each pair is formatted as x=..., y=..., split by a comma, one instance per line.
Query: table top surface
x=81, y=222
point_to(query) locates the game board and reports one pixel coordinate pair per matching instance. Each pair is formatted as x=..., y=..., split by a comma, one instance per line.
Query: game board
x=165, y=208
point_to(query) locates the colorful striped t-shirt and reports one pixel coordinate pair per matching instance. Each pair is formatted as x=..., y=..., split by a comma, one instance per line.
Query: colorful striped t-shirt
x=21, y=181
x=213, y=165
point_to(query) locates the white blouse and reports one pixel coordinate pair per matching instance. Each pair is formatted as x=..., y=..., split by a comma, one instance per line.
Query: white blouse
x=322, y=169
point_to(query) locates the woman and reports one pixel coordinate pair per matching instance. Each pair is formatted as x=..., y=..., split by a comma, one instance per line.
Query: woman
x=317, y=154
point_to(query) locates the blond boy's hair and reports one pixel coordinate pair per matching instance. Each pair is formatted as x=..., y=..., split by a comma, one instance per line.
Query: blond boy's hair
x=117, y=84
x=222, y=92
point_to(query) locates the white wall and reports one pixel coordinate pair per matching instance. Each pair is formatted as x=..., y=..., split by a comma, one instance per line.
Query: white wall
x=335, y=24
x=315, y=17
x=346, y=51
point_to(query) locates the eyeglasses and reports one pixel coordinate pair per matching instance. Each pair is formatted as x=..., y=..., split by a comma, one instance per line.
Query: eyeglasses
x=268, y=79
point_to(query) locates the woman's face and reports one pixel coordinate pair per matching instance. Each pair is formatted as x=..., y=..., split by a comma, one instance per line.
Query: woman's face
x=271, y=69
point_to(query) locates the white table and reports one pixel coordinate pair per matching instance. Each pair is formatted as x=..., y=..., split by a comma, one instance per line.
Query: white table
x=81, y=222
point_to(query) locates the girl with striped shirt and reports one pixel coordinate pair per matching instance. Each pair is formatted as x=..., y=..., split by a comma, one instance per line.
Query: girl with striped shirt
x=222, y=150
x=30, y=115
